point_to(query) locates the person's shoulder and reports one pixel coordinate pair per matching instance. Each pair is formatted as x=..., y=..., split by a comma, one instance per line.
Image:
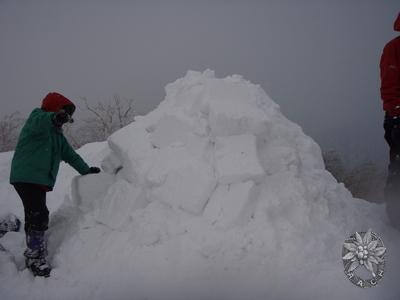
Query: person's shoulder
x=40, y=112
x=37, y=111
x=393, y=43
x=40, y=116
x=34, y=113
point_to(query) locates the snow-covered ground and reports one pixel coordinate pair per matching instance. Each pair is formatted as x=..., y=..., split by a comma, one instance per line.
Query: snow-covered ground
x=213, y=195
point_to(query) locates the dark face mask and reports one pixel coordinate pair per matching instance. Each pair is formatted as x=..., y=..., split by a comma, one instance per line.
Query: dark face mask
x=69, y=109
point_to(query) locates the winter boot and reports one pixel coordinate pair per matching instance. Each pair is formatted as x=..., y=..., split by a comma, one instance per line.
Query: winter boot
x=36, y=253
x=10, y=223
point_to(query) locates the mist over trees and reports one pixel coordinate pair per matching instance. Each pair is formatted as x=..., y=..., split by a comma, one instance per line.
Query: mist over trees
x=365, y=180
x=10, y=126
x=104, y=118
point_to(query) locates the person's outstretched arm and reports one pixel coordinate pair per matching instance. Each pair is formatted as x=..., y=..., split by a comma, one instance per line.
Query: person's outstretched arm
x=75, y=160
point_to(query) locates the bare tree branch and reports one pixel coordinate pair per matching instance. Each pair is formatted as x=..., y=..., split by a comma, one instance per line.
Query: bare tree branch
x=106, y=118
x=10, y=125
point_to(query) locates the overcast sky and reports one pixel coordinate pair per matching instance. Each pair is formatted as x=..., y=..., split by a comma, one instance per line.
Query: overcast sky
x=318, y=59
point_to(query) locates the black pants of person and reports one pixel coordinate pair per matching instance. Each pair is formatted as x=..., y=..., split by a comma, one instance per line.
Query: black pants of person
x=392, y=188
x=34, y=199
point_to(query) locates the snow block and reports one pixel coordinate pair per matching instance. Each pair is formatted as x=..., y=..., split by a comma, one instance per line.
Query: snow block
x=173, y=130
x=233, y=108
x=88, y=189
x=14, y=242
x=230, y=204
x=132, y=145
x=277, y=158
x=111, y=163
x=181, y=180
x=115, y=208
x=236, y=159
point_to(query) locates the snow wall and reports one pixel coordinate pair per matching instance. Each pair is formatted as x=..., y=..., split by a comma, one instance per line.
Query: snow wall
x=213, y=195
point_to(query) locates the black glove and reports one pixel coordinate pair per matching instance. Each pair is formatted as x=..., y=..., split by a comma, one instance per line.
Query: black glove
x=94, y=170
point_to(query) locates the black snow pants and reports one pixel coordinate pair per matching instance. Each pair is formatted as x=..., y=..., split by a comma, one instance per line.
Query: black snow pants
x=392, y=137
x=392, y=188
x=33, y=198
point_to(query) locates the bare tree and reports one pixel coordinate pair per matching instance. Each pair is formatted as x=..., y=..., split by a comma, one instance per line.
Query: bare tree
x=10, y=124
x=73, y=137
x=365, y=180
x=108, y=117
x=334, y=164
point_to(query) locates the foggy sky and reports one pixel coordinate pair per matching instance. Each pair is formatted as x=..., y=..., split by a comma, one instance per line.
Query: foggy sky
x=319, y=60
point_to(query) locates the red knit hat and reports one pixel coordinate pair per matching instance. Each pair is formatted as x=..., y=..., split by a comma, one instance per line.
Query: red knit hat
x=397, y=23
x=53, y=102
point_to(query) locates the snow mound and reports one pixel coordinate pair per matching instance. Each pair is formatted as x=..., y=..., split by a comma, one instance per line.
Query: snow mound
x=209, y=132
x=215, y=195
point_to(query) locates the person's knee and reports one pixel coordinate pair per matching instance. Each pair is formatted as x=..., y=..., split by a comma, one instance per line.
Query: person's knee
x=37, y=220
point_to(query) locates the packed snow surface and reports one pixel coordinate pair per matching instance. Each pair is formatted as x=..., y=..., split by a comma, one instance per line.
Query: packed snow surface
x=213, y=195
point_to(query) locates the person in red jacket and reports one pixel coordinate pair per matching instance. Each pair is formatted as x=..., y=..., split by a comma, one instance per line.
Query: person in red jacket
x=390, y=94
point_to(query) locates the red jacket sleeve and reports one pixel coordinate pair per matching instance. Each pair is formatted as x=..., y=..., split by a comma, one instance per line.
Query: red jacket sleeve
x=390, y=78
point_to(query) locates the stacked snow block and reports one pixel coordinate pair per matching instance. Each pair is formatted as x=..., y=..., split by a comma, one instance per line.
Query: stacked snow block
x=231, y=204
x=172, y=130
x=233, y=107
x=181, y=180
x=237, y=170
x=236, y=159
x=199, y=144
x=87, y=190
x=206, y=148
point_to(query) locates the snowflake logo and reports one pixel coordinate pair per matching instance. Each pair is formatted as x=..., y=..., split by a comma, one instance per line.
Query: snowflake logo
x=364, y=249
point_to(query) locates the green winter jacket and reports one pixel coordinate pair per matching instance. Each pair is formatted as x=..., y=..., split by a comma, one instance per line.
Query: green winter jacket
x=40, y=149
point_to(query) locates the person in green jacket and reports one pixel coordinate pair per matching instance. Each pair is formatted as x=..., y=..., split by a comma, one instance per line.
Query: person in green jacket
x=40, y=149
